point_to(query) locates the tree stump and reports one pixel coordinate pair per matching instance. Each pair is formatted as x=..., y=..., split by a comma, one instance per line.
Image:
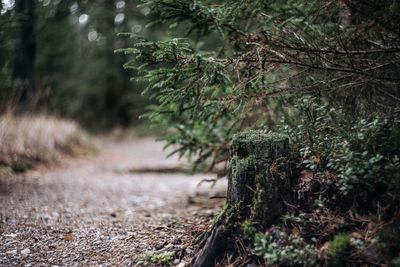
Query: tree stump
x=260, y=180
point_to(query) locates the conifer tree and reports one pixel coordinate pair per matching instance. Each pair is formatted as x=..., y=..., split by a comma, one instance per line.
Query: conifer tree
x=233, y=64
x=236, y=65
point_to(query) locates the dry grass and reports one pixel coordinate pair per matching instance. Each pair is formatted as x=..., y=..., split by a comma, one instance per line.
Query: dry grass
x=27, y=140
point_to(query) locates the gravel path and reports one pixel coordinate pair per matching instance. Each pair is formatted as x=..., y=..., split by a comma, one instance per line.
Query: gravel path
x=93, y=211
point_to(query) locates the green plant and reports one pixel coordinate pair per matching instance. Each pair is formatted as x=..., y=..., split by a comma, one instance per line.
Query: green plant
x=337, y=249
x=154, y=258
x=235, y=65
x=297, y=218
x=360, y=152
x=248, y=229
x=226, y=211
x=320, y=202
x=278, y=248
x=230, y=66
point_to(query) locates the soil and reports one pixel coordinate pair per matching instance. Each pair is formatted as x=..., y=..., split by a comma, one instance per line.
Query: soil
x=94, y=211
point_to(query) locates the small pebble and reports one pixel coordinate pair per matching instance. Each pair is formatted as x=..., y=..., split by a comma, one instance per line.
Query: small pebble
x=11, y=221
x=25, y=251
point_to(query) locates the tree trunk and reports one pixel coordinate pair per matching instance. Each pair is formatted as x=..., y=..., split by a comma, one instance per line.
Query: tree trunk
x=25, y=54
x=260, y=181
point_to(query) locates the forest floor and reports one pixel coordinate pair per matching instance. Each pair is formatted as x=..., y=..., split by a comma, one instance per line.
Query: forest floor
x=95, y=211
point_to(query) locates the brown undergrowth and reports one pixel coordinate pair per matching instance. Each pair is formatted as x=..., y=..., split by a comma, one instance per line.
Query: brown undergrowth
x=315, y=231
x=28, y=140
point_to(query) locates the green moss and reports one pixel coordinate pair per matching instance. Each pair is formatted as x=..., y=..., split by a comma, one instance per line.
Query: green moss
x=337, y=248
x=259, y=144
x=248, y=229
x=241, y=165
x=231, y=215
x=154, y=258
x=281, y=249
x=226, y=215
x=259, y=197
x=258, y=135
x=218, y=217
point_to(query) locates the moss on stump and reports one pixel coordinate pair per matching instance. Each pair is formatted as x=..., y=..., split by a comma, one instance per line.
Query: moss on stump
x=259, y=177
x=260, y=181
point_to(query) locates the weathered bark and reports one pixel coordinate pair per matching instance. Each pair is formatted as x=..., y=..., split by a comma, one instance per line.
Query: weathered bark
x=259, y=183
x=259, y=179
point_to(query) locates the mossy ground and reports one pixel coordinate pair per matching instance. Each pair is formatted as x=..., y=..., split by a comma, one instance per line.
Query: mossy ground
x=258, y=135
x=338, y=247
x=154, y=259
x=325, y=231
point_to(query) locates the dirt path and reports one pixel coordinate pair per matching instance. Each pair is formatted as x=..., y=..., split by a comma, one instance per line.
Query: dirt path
x=95, y=212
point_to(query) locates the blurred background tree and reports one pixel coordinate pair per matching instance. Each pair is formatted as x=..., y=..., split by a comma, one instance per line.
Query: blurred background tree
x=58, y=57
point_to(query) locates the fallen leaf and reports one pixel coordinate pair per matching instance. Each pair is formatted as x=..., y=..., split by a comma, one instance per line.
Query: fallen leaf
x=295, y=231
x=69, y=237
x=323, y=248
x=356, y=235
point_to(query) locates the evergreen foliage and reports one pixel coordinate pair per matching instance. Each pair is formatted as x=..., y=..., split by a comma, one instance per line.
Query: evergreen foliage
x=326, y=73
x=361, y=152
x=237, y=63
